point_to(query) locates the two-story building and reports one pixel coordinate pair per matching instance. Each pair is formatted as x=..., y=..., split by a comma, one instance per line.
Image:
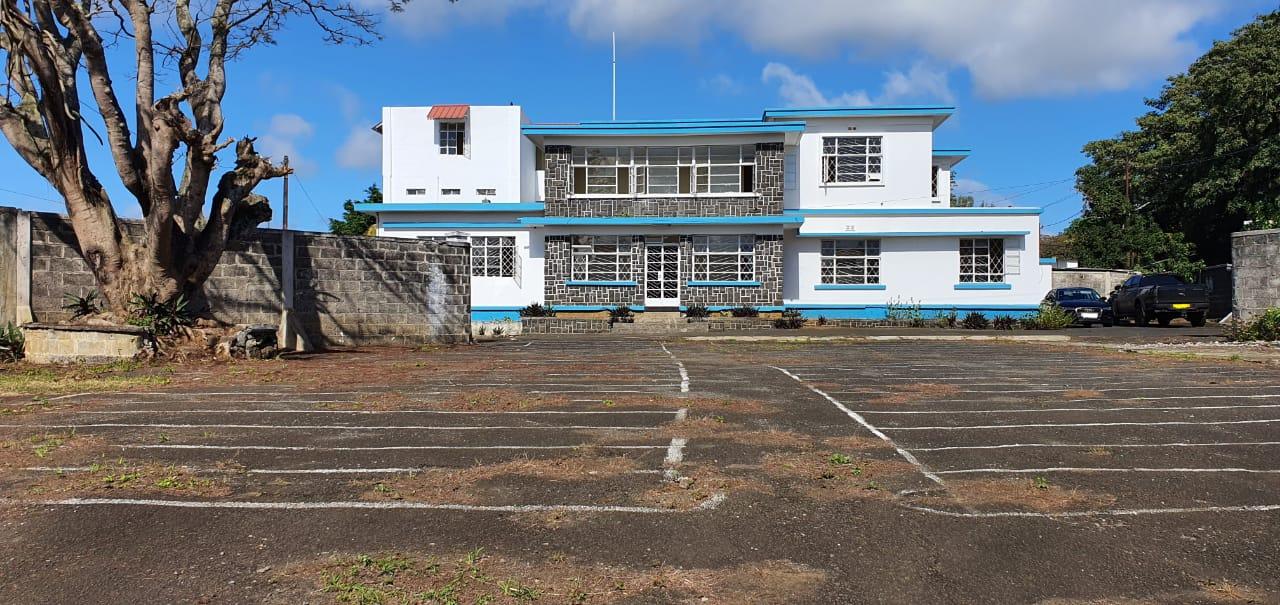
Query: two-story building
x=839, y=212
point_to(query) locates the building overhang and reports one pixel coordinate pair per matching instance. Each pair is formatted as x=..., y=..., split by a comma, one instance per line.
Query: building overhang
x=451, y=207
x=862, y=234
x=949, y=157
x=947, y=211
x=939, y=113
x=640, y=128
x=606, y=221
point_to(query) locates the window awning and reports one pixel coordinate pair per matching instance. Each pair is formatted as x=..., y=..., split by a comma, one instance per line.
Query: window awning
x=448, y=112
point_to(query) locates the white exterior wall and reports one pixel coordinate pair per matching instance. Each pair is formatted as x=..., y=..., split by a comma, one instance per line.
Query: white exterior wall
x=907, y=149
x=921, y=270
x=497, y=157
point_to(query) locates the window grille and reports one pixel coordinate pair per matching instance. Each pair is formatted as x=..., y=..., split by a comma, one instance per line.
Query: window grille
x=601, y=258
x=724, y=257
x=493, y=256
x=851, y=159
x=981, y=260
x=850, y=261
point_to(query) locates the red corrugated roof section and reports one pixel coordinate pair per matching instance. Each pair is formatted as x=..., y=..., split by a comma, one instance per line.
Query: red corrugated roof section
x=448, y=112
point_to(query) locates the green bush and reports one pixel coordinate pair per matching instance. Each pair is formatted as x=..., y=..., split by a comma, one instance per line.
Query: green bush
x=162, y=318
x=905, y=311
x=744, y=311
x=620, y=314
x=82, y=306
x=537, y=310
x=790, y=320
x=697, y=311
x=1263, y=327
x=948, y=319
x=11, y=343
x=1004, y=322
x=974, y=321
x=1052, y=317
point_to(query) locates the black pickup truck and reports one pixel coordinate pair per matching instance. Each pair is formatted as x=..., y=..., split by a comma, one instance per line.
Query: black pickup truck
x=1162, y=296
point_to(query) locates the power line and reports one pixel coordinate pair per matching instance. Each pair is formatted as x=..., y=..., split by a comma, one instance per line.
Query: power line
x=310, y=202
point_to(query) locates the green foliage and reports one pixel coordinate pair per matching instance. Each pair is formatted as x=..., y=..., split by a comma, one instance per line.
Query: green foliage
x=975, y=321
x=82, y=306
x=354, y=222
x=959, y=201
x=162, y=318
x=1004, y=322
x=1049, y=317
x=908, y=311
x=948, y=319
x=1263, y=327
x=537, y=310
x=1166, y=197
x=744, y=311
x=697, y=311
x=620, y=314
x=12, y=343
x=790, y=320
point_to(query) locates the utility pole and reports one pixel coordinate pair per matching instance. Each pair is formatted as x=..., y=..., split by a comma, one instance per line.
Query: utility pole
x=284, y=220
x=614, y=38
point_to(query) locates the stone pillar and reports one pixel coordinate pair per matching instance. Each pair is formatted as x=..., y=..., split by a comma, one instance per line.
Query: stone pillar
x=291, y=335
x=559, y=172
x=22, y=266
x=769, y=167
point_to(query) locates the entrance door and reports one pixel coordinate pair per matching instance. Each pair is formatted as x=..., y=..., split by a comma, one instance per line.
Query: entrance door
x=662, y=271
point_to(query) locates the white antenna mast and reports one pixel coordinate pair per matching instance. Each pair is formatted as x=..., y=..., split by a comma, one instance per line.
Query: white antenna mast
x=614, y=38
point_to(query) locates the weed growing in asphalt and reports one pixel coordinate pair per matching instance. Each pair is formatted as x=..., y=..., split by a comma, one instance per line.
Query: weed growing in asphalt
x=1040, y=483
x=42, y=446
x=838, y=458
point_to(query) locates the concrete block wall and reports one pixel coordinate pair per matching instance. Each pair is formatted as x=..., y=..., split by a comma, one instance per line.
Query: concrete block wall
x=1255, y=256
x=348, y=291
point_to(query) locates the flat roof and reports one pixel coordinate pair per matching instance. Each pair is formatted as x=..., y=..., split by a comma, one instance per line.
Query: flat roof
x=662, y=127
x=937, y=112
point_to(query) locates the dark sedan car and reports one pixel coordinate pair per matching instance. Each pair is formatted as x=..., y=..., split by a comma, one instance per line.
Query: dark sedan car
x=1085, y=303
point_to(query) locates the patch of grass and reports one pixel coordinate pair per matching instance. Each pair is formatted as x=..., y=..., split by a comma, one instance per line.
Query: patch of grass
x=1040, y=483
x=116, y=376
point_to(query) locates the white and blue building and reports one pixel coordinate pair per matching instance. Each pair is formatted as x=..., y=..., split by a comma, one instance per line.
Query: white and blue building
x=839, y=212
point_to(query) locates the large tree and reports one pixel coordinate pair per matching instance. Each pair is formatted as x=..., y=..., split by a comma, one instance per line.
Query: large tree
x=354, y=222
x=1204, y=160
x=166, y=153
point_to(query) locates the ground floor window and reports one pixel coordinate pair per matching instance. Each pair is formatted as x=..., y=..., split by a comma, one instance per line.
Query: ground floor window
x=981, y=260
x=493, y=256
x=850, y=261
x=724, y=257
x=601, y=257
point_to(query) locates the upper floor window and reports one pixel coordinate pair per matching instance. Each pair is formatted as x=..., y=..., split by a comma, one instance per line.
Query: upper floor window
x=664, y=170
x=487, y=192
x=851, y=159
x=981, y=260
x=933, y=183
x=724, y=257
x=850, y=261
x=601, y=257
x=415, y=191
x=453, y=138
x=450, y=191
x=493, y=256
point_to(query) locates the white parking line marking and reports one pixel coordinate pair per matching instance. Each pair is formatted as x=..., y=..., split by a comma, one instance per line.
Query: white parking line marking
x=1165, y=388
x=708, y=504
x=1119, y=409
x=1070, y=424
x=376, y=412
x=291, y=471
x=1085, y=469
x=322, y=427
x=1089, y=445
x=684, y=375
x=1101, y=513
x=380, y=448
x=675, y=455
x=867, y=425
x=681, y=414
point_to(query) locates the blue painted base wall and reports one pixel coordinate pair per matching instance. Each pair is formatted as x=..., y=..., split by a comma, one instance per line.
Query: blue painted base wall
x=807, y=311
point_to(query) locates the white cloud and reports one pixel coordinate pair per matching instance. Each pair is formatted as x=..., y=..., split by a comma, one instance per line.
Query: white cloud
x=284, y=136
x=920, y=83
x=1010, y=48
x=723, y=84
x=348, y=102
x=361, y=150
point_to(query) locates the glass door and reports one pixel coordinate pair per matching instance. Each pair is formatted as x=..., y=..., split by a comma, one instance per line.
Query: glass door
x=662, y=271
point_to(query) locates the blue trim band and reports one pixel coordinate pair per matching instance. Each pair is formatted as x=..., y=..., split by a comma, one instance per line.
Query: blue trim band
x=943, y=307
x=661, y=220
x=702, y=284
x=481, y=315
x=497, y=308
x=420, y=225
x=661, y=127
x=951, y=152
x=836, y=112
x=595, y=307
x=452, y=207
x=908, y=211
x=984, y=286
x=862, y=234
x=1049, y=261
x=583, y=282
x=850, y=287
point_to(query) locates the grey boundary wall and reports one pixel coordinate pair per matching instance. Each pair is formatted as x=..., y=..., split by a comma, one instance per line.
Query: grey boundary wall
x=1255, y=256
x=348, y=290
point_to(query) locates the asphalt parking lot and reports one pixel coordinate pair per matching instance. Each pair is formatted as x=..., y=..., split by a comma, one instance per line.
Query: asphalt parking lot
x=901, y=472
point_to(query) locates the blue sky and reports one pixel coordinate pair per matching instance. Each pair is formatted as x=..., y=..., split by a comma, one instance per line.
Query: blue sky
x=1033, y=80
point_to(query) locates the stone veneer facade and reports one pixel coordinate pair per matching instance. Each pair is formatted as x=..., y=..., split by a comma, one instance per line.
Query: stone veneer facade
x=766, y=200
x=1255, y=258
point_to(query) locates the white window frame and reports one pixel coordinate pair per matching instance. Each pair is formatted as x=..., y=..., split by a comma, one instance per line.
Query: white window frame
x=415, y=191
x=481, y=191
x=601, y=258
x=453, y=137
x=493, y=256
x=849, y=261
x=724, y=258
x=450, y=191
x=982, y=260
x=707, y=170
x=843, y=156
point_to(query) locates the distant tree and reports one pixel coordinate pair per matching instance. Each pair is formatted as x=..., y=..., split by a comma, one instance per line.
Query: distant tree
x=959, y=201
x=354, y=222
x=1055, y=246
x=1205, y=160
